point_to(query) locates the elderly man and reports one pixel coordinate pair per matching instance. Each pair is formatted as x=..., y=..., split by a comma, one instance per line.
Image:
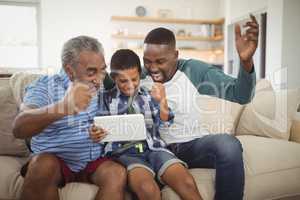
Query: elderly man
x=57, y=112
x=184, y=80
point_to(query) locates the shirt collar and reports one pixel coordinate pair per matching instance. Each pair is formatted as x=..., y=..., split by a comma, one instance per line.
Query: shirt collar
x=120, y=95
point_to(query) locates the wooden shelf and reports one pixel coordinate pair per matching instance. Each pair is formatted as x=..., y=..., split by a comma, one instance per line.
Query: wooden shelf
x=167, y=20
x=184, y=38
x=187, y=50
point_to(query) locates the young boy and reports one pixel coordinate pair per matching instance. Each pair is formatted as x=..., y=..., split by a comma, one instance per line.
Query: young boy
x=144, y=159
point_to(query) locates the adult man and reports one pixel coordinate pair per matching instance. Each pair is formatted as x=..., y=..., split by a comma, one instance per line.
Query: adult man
x=57, y=112
x=184, y=81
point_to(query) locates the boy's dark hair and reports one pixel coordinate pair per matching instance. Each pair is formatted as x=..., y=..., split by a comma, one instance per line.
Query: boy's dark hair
x=161, y=36
x=124, y=59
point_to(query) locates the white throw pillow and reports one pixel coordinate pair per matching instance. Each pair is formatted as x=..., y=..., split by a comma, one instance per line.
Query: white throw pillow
x=222, y=116
x=270, y=114
x=9, y=145
x=218, y=115
x=19, y=81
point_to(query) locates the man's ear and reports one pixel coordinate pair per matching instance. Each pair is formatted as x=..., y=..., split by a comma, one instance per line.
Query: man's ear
x=70, y=72
x=176, y=54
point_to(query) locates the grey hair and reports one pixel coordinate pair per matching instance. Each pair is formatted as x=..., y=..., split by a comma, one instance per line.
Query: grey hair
x=73, y=47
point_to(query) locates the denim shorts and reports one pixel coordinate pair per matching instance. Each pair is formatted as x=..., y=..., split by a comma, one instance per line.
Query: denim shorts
x=155, y=161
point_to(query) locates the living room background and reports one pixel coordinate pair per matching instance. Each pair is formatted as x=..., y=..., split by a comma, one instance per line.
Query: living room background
x=59, y=20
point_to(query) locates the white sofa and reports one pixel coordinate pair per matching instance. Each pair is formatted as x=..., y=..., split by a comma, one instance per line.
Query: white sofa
x=268, y=130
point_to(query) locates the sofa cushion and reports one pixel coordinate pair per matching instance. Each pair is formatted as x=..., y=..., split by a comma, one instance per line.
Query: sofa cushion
x=18, y=83
x=204, y=179
x=221, y=116
x=218, y=115
x=11, y=182
x=272, y=167
x=79, y=191
x=270, y=114
x=9, y=145
x=272, y=170
x=10, y=179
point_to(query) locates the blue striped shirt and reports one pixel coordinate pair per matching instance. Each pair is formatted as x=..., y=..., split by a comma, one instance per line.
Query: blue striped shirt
x=67, y=138
x=113, y=102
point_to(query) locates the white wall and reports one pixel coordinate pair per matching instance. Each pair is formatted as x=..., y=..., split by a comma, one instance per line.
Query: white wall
x=291, y=42
x=283, y=18
x=239, y=9
x=274, y=69
x=63, y=19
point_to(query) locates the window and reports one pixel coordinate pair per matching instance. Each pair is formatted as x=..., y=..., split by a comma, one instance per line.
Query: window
x=259, y=57
x=19, y=49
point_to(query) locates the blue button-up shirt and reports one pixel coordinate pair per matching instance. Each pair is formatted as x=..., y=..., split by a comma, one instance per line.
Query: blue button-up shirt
x=67, y=138
x=113, y=102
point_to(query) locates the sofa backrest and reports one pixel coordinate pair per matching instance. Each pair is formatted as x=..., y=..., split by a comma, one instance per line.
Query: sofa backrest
x=271, y=114
x=9, y=145
x=18, y=83
x=11, y=95
x=220, y=116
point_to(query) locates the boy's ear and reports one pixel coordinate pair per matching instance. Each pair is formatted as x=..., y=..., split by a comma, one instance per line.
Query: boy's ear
x=113, y=76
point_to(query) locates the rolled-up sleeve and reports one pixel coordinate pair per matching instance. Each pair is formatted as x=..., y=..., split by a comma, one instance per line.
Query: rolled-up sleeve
x=169, y=121
x=240, y=89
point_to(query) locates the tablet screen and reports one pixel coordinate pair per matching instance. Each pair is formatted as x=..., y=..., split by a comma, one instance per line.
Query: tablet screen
x=122, y=127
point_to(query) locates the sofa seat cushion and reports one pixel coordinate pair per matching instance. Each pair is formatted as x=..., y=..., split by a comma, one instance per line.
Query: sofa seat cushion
x=78, y=191
x=204, y=178
x=272, y=170
x=11, y=182
x=272, y=167
x=10, y=179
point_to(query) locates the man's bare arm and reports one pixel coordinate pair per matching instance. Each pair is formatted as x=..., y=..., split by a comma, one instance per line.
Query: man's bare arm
x=31, y=121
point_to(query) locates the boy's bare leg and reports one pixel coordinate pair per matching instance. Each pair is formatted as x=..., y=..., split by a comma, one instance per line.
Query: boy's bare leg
x=111, y=178
x=142, y=183
x=181, y=181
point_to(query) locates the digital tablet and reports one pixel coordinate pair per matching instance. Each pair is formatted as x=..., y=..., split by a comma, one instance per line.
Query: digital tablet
x=122, y=127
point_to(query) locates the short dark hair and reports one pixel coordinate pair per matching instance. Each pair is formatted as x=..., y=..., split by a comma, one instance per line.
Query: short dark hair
x=124, y=59
x=161, y=36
